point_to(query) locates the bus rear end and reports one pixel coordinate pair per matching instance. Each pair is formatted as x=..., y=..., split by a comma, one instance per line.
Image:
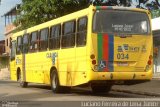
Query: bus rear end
x=121, y=46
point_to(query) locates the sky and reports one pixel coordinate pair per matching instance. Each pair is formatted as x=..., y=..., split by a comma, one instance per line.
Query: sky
x=5, y=6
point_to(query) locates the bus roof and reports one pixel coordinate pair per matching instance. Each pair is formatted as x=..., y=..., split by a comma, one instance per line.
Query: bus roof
x=56, y=21
x=119, y=8
x=72, y=16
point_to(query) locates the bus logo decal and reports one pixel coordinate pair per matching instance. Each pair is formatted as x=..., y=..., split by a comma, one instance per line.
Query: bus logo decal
x=123, y=48
x=52, y=56
x=120, y=49
x=126, y=47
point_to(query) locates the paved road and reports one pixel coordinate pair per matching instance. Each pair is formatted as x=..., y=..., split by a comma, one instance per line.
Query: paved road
x=11, y=91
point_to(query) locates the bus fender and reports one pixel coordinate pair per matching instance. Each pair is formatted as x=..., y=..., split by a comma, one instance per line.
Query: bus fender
x=53, y=69
x=18, y=71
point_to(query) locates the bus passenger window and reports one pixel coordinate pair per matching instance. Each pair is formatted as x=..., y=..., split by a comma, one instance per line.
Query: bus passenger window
x=13, y=52
x=33, y=42
x=54, y=40
x=19, y=45
x=81, y=32
x=68, y=37
x=25, y=43
x=43, y=44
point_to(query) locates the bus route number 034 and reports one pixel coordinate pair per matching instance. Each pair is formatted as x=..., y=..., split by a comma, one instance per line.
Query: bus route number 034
x=122, y=56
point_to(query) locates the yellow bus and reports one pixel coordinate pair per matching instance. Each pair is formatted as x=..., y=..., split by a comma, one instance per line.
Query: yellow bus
x=98, y=46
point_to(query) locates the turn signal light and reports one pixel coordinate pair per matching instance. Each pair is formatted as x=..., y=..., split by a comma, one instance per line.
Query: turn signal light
x=149, y=62
x=92, y=56
x=150, y=57
x=94, y=62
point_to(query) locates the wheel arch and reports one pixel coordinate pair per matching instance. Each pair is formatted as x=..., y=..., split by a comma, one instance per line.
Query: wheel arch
x=53, y=69
x=18, y=72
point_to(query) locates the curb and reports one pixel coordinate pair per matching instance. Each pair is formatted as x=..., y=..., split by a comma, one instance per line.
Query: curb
x=137, y=92
x=7, y=81
x=156, y=78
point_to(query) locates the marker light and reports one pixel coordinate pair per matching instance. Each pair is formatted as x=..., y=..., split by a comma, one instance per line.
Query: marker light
x=92, y=56
x=149, y=62
x=94, y=62
x=150, y=57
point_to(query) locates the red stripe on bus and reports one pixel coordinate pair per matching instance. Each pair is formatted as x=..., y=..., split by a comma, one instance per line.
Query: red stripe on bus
x=106, y=49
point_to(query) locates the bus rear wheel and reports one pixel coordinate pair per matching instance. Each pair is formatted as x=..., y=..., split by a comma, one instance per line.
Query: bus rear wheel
x=55, y=85
x=100, y=88
x=22, y=83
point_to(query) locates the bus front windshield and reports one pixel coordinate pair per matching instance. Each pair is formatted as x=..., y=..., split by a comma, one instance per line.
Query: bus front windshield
x=117, y=21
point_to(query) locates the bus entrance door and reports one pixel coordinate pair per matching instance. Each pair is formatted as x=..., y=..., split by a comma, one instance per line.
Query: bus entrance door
x=23, y=67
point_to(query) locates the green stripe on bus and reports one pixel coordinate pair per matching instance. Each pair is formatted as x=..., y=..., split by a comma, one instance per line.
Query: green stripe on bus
x=98, y=7
x=100, y=47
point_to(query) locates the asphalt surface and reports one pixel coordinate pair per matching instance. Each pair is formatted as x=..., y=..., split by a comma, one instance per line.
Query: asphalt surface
x=35, y=94
x=151, y=88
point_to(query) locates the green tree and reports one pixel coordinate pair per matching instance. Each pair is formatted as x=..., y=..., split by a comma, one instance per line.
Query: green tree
x=33, y=12
x=155, y=13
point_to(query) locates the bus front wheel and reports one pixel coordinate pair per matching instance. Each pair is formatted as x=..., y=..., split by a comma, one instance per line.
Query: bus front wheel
x=21, y=82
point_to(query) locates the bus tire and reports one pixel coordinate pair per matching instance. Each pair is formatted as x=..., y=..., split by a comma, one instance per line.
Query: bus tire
x=100, y=88
x=22, y=83
x=55, y=86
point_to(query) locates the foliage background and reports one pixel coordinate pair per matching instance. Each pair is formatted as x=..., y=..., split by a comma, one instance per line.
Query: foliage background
x=33, y=12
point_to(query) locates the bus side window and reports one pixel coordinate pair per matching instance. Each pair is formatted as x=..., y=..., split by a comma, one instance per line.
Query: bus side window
x=13, y=50
x=10, y=40
x=81, y=32
x=25, y=43
x=68, y=37
x=33, y=42
x=54, y=40
x=19, y=45
x=43, y=43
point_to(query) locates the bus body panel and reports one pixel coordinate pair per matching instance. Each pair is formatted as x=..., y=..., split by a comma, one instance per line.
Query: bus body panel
x=66, y=65
x=37, y=67
x=120, y=76
x=13, y=70
x=118, y=54
x=79, y=76
x=19, y=62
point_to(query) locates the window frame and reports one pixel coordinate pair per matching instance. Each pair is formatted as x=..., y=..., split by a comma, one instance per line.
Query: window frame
x=81, y=31
x=69, y=34
x=40, y=41
x=19, y=46
x=34, y=42
x=27, y=35
x=95, y=30
x=52, y=37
